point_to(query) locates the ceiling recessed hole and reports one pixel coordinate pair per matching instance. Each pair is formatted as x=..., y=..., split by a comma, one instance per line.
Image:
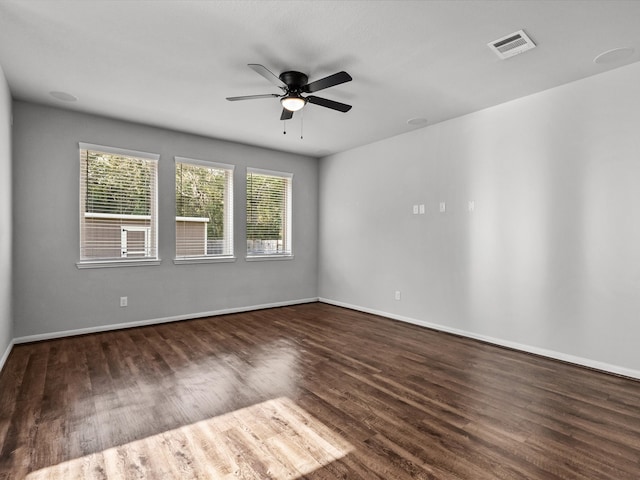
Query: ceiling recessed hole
x=64, y=96
x=613, y=56
x=419, y=121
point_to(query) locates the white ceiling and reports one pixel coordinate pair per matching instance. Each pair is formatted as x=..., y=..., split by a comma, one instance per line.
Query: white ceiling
x=172, y=63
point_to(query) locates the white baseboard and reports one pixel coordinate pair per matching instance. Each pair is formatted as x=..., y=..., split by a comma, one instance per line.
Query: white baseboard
x=153, y=321
x=585, y=362
x=4, y=357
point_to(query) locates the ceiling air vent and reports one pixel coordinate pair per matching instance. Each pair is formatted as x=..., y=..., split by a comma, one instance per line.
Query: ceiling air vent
x=511, y=45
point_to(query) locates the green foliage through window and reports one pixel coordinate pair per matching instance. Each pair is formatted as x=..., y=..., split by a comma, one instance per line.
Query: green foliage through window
x=117, y=184
x=268, y=213
x=200, y=192
x=204, y=209
x=118, y=211
x=265, y=207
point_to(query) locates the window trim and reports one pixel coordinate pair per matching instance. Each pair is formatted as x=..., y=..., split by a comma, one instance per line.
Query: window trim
x=138, y=262
x=266, y=258
x=119, y=151
x=229, y=204
x=261, y=257
x=122, y=261
x=210, y=259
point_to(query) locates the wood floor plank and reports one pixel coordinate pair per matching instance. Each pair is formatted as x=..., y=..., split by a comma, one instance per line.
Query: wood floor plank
x=312, y=392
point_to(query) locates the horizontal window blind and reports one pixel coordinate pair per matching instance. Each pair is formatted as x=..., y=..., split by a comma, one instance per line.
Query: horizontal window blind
x=268, y=213
x=118, y=204
x=204, y=209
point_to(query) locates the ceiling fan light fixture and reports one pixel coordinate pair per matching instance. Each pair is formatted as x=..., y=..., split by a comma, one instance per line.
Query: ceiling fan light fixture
x=293, y=84
x=293, y=102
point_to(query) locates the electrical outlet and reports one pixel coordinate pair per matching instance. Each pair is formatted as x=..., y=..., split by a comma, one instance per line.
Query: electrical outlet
x=397, y=294
x=421, y=208
x=443, y=207
x=415, y=209
x=472, y=205
x=123, y=301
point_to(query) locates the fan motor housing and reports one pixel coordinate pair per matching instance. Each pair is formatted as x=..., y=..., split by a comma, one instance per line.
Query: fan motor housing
x=294, y=80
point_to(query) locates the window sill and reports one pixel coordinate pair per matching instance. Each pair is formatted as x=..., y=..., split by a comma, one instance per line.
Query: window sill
x=266, y=258
x=118, y=263
x=193, y=260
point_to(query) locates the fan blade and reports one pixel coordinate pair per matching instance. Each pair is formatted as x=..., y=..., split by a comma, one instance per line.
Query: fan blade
x=253, y=97
x=266, y=73
x=323, y=102
x=326, y=82
x=286, y=114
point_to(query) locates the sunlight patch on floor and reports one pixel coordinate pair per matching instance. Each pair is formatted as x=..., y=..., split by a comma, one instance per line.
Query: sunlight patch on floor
x=275, y=439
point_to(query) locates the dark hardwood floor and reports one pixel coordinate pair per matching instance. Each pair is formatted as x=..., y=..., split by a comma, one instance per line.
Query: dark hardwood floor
x=311, y=391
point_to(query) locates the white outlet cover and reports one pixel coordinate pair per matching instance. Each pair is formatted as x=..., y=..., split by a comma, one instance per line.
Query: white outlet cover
x=443, y=207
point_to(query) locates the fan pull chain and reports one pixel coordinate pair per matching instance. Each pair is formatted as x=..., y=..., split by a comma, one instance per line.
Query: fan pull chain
x=302, y=124
x=284, y=132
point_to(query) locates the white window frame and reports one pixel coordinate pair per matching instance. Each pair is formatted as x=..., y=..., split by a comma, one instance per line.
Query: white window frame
x=151, y=237
x=288, y=223
x=229, y=255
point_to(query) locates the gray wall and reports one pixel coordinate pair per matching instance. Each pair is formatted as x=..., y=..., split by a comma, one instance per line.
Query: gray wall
x=548, y=261
x=6, y=321
x=52, y=295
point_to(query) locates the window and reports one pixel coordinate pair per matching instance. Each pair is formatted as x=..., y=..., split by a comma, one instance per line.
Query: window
x=204, y=211
x=118, y=207
x=268, y=214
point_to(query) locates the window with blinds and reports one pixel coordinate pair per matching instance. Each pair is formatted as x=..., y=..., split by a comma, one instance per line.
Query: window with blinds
x=268, y=213
x=204, y=210
x=118, y=206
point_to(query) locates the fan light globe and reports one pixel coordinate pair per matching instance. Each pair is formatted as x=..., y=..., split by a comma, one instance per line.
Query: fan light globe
x=293, y=103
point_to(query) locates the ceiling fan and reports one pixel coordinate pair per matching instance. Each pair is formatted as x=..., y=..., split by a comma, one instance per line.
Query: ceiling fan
x=293, y=85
